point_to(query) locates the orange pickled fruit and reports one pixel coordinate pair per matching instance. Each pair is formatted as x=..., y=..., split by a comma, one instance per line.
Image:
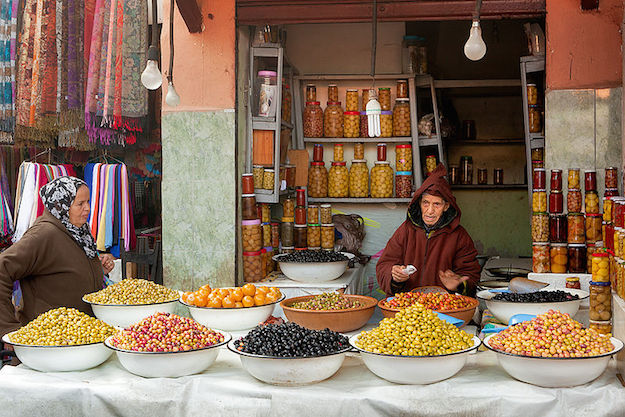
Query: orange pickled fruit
x=236, y=294
x=262, y=290
x=227, y=302
x=238, y=304
x=203, y=291
x=223, y=292
x=249, y=289
x=214, y=302
x=191, y=299
x=201, y=299
x=206, y=288
x=259, y=299
x=248, y=301
x=276, y=291
x=185, y=296
x=271, y=298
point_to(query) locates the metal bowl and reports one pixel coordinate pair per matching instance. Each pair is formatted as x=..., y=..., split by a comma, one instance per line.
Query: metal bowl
x=313, y=272
x=124, y=315
x=415, y=369
x=290, y=371
x=554, y=372
x=59, y=358
x=168, y=364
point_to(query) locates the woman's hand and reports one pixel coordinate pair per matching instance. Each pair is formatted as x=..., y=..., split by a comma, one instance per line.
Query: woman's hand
x=451, y=280
x=398, y=274
x=107, y=262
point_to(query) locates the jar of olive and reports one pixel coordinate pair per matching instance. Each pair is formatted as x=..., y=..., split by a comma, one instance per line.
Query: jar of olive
x=325, y=213
x=359, y=179
x=386, y=124
x=359, y=150
x=338, y=180
x=258, y=172
x=252, y=268
x=403, y=184
x=333, y=92
x=313, y=120
x=382, y=180
x=312, y=214
x=265, y=211
x=401, y=117
x=333, y=120
x=288, y=208
x=338, y=151
x=352, y=124
x=365, y=99
x=314, y=235
x=351, y=100
x=403, y=157
x=268, y=179
x=251, y=236
x=286, y=231
x=327, y=236
x=266, y=232
x=384, y=98
x=317, y=180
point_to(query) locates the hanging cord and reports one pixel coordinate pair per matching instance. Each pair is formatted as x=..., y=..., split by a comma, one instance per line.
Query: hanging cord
x=170, y=75
x=374, y=39
x=478, y=7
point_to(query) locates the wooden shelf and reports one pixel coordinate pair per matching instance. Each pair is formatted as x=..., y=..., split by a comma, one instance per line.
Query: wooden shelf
x=352, y=77
x=364, y=200
x=356, y=140
x=428, y=141
x=478, y=142
x=489, y=187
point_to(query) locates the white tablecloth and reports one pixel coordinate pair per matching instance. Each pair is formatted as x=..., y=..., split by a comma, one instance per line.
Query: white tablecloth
x=482, y=388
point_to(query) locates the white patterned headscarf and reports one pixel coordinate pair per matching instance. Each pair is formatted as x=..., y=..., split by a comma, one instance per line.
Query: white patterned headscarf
x=58, y=195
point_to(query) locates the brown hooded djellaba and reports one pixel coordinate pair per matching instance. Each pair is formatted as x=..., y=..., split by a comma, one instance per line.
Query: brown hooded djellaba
x=446, y=246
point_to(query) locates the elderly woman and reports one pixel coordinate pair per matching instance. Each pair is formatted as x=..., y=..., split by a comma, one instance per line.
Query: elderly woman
x=56, y=261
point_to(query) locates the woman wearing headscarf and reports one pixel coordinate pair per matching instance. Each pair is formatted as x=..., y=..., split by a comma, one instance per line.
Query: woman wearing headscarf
x=56, y=261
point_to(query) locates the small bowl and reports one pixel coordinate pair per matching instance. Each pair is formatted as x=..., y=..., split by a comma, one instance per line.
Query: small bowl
x=503, y=310
x=124, y=315
x=290, y=371
x=232, y=319
x=554, y=372
x=337, y=320
x=168, y=364
x=415, y=369
x=313, y=272
x=59, y=358
x=429, y=289
x=464, y=314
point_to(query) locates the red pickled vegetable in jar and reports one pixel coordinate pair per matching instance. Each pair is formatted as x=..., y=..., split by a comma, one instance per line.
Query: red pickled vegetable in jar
x=301, y=197
x=300, y=215
x=610, y=192
x=318, y=152
x=558, y=228
x=556, y=180
x=247, y=184
x=381, y=151
x=590, y=180
x=556, y=202
x=611, y=177
x=539, y=179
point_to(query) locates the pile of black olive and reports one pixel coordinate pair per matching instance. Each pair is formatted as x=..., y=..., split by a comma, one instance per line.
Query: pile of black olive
x=313, y=256
x=290, y=340
x=536, y=297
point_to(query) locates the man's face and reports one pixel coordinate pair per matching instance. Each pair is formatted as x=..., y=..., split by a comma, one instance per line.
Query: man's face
x=432, y=208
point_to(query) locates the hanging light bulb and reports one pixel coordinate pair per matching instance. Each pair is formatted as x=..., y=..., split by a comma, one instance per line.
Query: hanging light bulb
x=151, y=77
x=475, y=48
x=172, y=98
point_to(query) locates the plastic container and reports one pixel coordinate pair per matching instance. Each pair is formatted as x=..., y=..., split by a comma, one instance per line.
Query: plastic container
x=300, y=236
x=318, y=152
x=338, y=152
x=591, y=202
x=539, y=179
x=286, y=233
x=327, y=236
x=600, y=301
x=338, y=180
x=312, y=214
x=594, y=231
x=401, y=117
x=269, y=177
x=403, y=184
x=600, y=267
x=351, y=124
x=557, y=228
x=300, y=215
x=311, y=92
x=540, y=227
x=403, y=158
x=314, y=235
x=251, y=236
x=556, y=202
x=535, y=125
x=351, y=100
x=540, y=257
x=333, y=120
x=325, y=214
x=333, y=92
x=611, y=177
x=381, y=151
x=288, y=208
x=247, y=184
x=573, y=282
x=573, y=178
x=359, y=179
x=574, y=201
x=382, y=180
x=384, y=98
x=577, y=258
x=266, y=93
x=359, y=150
x=590, y=180
x=252, y=268
x=402, y=89
x=558, y=258
x=576, y=228
x=258, y=172
x=539, y=200
x=317, y=180
x=313, y=120
x=248, y=207
x=386, y=124
x=607, y=209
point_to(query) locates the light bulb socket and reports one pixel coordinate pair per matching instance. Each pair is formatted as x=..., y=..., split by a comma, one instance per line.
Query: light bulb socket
x=475, y=24
x=153, y=54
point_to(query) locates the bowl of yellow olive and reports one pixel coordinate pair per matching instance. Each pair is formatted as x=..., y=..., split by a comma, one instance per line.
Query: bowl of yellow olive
x=61, y=340
x=415, y=347
x=130, y=301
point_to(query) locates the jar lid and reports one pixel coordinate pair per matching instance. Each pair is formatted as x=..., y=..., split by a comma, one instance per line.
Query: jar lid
x=339, y=163
x=300, y=225
x=594, y=215
x=247, y=175
x=559, y=245
x=541, y=243
x=611, y=168
x=339, y=144
x=556, y=170
x=287, y=220
x=331, y=85
x=599, y=284
x=575, y=214
x=539, y=169
x=531, y=85
x=611, y=189
x=386, y=113
x=313, y=103
x=318, y=144
x=314, y=225
x=562, y=216
x=270, y=170
x=572, y=190
x=600, y=254
x=251, y=253
x=590, y=170
x=265, y=224
x=358, y=160
x=327, y=225
x=311, y=85
x=539, y=190
x=317, y=164
x=572, y=279
x=466, y=157
x=334, y=103
x=363, y=113
x=382, y=162
x=352, y=89
x=600, y=323
x=556, y=191
x=591, y=192
x=268, y=248
x=537, y=162
x=382, y=144
x=267, y=74
x=577, y=245
x=533, y=106
x=384, y=88
x=275, y=223
x=540, y=213
x=312, y=206
x=326, y=205
x=301, y=249
x=263, y=250
x=315, y=248
x=434, y=156
x=403, y=146
x=248, y=195
x=288, y=247
x=403, y=173
x=250, y=222
x=403, y=100
x=351, y=113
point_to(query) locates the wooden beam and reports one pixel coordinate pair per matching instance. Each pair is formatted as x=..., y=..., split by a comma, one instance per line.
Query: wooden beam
x=250, y=12
x=191, y=14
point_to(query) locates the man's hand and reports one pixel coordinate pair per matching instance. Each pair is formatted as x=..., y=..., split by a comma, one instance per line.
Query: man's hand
x=451, y=280
x=107, y=262
x=397, y=273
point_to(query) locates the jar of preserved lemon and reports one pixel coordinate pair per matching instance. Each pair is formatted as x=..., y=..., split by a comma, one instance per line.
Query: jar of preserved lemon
x=359, y=179
x=382, y=180
x=351, y=100
x=338, y=152
x=403, y=158
x=591, y=200
x=338, y=180
x=573, y=178
x=384, y=98
x=327, y=236
x=401, y=117
x=539, y=201
x=559, y=258
x=317, y=180
x=386, y=124
x=607, y=209
x=352, y=124
x=333, y=120
x=314, y=235
x=359, y=150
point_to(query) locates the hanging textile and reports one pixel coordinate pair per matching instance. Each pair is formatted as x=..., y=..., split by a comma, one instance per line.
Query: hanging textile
x=8, y=28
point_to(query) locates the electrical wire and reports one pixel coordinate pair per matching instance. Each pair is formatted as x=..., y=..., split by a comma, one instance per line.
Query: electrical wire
x=170, y=75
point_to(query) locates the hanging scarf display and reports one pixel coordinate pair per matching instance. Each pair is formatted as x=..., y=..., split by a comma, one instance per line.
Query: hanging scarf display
x=8, y=27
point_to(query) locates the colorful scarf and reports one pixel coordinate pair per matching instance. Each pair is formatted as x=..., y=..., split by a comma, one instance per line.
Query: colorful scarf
x=8, y=27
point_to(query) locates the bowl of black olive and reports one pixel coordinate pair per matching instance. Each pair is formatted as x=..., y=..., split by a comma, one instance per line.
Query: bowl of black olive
x=504, y=305
x=313, y=266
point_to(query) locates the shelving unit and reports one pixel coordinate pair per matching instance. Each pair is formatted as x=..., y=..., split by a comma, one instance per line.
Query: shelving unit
x=488, y=186
x=359, y=200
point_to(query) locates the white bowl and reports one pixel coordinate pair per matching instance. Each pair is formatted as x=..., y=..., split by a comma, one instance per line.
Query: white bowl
x=313, y=272
x=59, y=358
x=232, y=319
x=122, y=315
x=168, y=364
x=554, y=372
x=415, y=369
x=290, y=371
x=503, y=310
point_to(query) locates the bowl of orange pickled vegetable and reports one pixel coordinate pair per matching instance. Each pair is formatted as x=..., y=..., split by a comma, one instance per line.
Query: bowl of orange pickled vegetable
x=231, y=309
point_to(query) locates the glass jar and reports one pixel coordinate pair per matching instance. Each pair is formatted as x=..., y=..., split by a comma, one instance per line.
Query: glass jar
x=269, y=263
x=482, y=176
x=539, y=199
x=557, y=228
x=556, y=180
x=381, y=151
x=317, y=180
x=269, y=179
x=590, y=250
x=401, y=117
x=538, y=164
x=454, y=174
x=252, y=268
x=247, y=184
x=604, y=226
x=600, y=267
x=313, y=120
x=275, y=235
x=498, y=176
x=286, y=232
x=540, y=257
x=311, y=92
x=286, y=103
x=573, y=178
x=338, y=180
x=382, y=180
x=591, y=201
x=574, y=201
x=540, y=227
x=611, y=177
x=608, y=235
x=573, y=282
x=577, y=259
x=590, y=180
x=359, y=150
x=314, y=235
x=333, y=120
x=593, y=228
x=251, y=236
x=607, y=209
x=266, y=230
x=300, y=232
x=384, y=98
x=539, y=179
x=538, y=154
x=601, y=327
x=300, y=196
x=576, y=229
x=325, y=214
x=265, y=213
x=351, y=100
x=532, y=94
x=248, y=207
x=263, y=263
x=466, y=174
x=287, y=249
x=365, y=99
x=430, y=164
x=312, y=214
x=288, y=208
x=559, y=258
x=610, y=192
x=364, y=125
x=290, y=175
x=600, y=301
x=333, y=92
x=359, y=179
x=402, y=89
x=338, y=152
x=327, y=236
x=318, y=152
x=618, y=211
x=556, y=202
x=403, y=157
x=403, y=184
x=266, y=93
x=617, y=242
x=352, y=124
x=258, y=172
x=300, y=215
x=386, y=124
x=534, y=119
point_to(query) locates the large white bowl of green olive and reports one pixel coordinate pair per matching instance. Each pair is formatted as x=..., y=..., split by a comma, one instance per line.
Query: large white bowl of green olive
x=130, y=301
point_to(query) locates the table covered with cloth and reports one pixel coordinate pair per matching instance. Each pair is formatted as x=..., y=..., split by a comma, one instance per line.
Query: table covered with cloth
x=481, y=388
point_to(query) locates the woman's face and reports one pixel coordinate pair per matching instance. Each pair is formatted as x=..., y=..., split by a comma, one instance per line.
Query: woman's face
x=79, y=210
